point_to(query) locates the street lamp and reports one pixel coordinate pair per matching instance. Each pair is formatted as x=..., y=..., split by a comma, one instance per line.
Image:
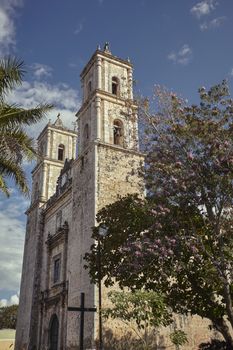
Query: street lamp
x=103, y=231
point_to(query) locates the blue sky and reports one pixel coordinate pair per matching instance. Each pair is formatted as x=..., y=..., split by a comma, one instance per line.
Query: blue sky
x=182, y=44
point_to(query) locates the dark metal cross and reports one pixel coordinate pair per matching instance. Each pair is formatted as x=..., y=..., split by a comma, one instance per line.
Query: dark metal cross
x=82, y=309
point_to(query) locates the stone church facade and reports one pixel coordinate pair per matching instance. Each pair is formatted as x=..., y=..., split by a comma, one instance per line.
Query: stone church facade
x=67, y=192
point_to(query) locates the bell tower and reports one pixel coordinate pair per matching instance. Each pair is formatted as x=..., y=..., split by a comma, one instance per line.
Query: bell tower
x=108, y=165
x=108, y=113
x=56, y=143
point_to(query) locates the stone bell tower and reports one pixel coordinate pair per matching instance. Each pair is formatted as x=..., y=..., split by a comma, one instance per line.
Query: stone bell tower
x=107, y=166
x=107, y=113
x=55, y=144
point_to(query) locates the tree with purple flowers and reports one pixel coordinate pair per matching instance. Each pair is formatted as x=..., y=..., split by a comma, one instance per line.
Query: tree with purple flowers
x=178, y=240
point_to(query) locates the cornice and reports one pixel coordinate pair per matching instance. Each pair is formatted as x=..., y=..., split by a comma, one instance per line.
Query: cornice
x=56, y=199
x=61, y=235
x=48, y=161
x=108, y=97
x=119, y=148
x=104, y=55
x=61, y=130
x=99, y=143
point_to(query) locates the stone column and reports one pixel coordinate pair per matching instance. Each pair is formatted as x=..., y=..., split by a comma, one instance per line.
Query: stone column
x=44, y=181
x=48, y=144
x=99, y=72
x=73, y=147
x=98, y=117
x=82, y=89
x=52, y=144
x=79, y=136
x=130, y=83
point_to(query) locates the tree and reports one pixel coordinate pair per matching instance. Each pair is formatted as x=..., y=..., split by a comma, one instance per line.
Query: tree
x=142, y=311
x=179, y=240
x=15, y=144
x=8, y=316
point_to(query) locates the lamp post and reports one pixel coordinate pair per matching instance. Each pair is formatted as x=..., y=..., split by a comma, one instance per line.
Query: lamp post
x=103, y=231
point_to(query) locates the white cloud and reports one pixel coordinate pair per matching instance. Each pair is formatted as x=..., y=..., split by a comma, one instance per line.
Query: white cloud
x=183, y=56
x=8, y=13
x=79, y=28
x=172, y=56
x=30, y=94
x=41, y=70
x=203, y=8
x=65, y=100
x=14, y=300
x=3, y=302
x=231, y=73
x=72, y=65
x=214, y=23
x=11, y=242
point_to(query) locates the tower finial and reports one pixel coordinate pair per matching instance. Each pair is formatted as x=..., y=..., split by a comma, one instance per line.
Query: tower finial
x=58, y=122
x=106, y=47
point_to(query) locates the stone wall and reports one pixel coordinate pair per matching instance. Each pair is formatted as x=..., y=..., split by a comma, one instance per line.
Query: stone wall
x=118, y=173
x=83, y=214
x=28, y=306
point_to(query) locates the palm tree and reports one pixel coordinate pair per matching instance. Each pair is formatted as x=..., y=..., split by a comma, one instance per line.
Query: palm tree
x=15, y=144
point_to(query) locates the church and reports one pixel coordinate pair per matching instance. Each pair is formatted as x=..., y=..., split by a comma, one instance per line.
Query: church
x=68, y=189
x=67, y=192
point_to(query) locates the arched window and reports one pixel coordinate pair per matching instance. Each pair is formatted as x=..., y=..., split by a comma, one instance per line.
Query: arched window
x=118, y=134
x=56, y=269
x=53, y=333
x=115, y=86
x=61, y=152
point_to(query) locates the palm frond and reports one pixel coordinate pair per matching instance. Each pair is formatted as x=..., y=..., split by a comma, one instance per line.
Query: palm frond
x=10, y=169
x=11, y=74
x=16, y=144
x=3, y=186
x=12, y=115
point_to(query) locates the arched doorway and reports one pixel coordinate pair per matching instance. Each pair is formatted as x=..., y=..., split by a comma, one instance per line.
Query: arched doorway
x=53, y=333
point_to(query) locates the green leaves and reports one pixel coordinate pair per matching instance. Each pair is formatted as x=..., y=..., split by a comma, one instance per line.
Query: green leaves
x=8, y=316
x=146, y=308
x=142, y=311
x=178, y=337
x=15, y=144
x=13, y=115
x=11, y=74
x=9, y=169
x=178, y=240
